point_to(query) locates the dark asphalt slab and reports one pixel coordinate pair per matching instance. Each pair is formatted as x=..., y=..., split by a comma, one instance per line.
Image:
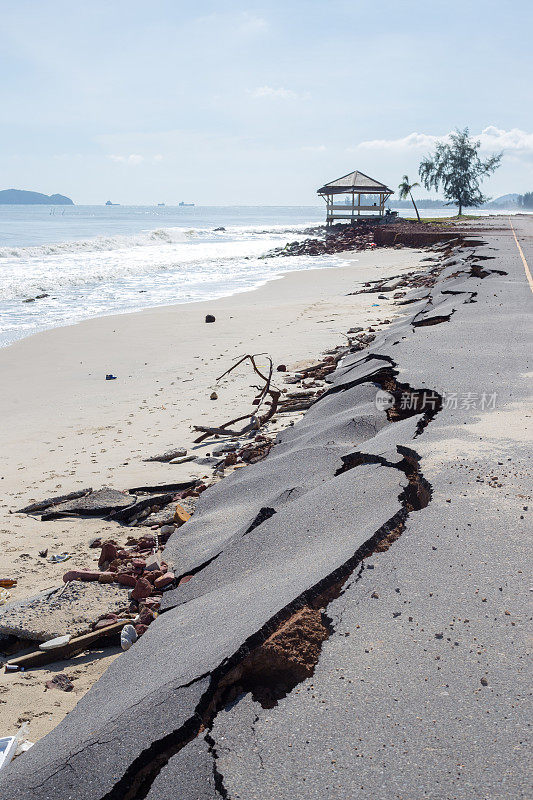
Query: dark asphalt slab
x=394, y=709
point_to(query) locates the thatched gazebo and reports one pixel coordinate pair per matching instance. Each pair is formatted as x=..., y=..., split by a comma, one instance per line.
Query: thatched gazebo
x=340, y=197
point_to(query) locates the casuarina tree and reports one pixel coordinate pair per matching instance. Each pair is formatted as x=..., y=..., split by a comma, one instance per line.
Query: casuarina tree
x=457, y=167
x=404, y=191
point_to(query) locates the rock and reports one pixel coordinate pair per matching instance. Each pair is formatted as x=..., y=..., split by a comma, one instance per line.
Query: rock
x=57, y=641
x=207, y=462
x=164, y=580
x=209, y=318
x=484, y=682
x=153, y=562
x=146, y=616
x=81, y=575
x=182, y=460
x=60, y=681
x=227, y=447
x=281, y=368
x=95, y=504
x=140, y=629
x=125, y=579
x=177, y=452
x=69, y=609
x=181, y=516
x=215, y=230
x=128, y=636
x=142, y=589
x=107, y=577
x=162, y=517
x=167, y=529
x=108, y=554
x=213, y=396
x=151, y=603
x=153, y=575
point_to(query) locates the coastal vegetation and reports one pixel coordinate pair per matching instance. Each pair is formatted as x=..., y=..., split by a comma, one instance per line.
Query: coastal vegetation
x=457, y=167
x=404, y=191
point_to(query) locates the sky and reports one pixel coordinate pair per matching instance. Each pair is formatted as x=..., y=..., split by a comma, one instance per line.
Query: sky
x=255, y=103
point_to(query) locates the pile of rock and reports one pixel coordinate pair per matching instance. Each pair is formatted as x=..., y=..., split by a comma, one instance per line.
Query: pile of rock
x=335, y=239
x=138, y=565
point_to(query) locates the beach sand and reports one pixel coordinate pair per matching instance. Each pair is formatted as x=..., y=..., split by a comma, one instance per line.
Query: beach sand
x=65, y=427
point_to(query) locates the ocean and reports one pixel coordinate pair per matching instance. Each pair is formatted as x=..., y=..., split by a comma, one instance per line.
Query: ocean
x=97, y=260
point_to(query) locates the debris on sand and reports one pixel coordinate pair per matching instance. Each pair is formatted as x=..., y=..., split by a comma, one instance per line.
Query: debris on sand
x=67, y=609
x=60, y=681
x=176, y=452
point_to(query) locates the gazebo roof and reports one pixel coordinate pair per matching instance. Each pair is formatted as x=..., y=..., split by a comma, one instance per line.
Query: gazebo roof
x=355, y=182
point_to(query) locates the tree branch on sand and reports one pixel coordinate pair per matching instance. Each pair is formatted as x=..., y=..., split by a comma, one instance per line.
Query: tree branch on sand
x=255, y=420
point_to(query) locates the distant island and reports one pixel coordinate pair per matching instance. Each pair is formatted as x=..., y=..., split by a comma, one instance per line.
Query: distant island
x=109, y=203
x=19, y=197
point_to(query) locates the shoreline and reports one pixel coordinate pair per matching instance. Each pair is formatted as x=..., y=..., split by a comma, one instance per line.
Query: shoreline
x=237, y=291
x=68, y=428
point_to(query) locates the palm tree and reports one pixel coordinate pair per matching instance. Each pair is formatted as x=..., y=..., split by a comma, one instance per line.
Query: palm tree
x=405, y=192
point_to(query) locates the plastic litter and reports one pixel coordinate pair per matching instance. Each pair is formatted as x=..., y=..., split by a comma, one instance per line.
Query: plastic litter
x=128, y=636
x=110, y=377
x=8, y=746
x=23, y=744
x=4, y=596
x=61, y=557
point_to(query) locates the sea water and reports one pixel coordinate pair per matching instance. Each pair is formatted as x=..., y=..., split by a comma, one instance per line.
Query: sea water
x=97, y=260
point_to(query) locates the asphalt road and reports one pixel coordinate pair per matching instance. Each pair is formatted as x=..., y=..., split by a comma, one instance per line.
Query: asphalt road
x=420, y=689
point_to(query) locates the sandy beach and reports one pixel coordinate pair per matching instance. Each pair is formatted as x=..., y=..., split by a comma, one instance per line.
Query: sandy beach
x=66, y=427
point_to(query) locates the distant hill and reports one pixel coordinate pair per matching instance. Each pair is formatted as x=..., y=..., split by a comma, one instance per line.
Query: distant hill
x=505, y=201
x=16, y=197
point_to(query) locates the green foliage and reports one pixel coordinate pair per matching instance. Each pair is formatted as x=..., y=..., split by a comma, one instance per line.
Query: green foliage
x=404, y=191
x=457, y=167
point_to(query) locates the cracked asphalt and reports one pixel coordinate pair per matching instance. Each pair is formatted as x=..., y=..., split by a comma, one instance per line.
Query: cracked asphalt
x=421, y=688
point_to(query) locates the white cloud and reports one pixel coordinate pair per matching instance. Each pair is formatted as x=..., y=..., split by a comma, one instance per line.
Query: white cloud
x=491, y=138
x=134, y=159
x=409, y=142
x=269, y=91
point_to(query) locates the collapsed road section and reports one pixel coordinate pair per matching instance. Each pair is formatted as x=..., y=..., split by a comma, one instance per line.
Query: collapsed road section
x=346, y=632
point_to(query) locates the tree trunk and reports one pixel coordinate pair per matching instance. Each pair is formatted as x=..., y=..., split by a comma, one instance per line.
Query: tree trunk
x=416, y=209
x=460, y=209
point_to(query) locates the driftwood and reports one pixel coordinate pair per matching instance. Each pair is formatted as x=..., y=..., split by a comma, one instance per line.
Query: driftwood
x=76, y=645
x=256, y=420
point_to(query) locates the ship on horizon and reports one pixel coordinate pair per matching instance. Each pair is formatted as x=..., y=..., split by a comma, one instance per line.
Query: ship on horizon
x=185, y=204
